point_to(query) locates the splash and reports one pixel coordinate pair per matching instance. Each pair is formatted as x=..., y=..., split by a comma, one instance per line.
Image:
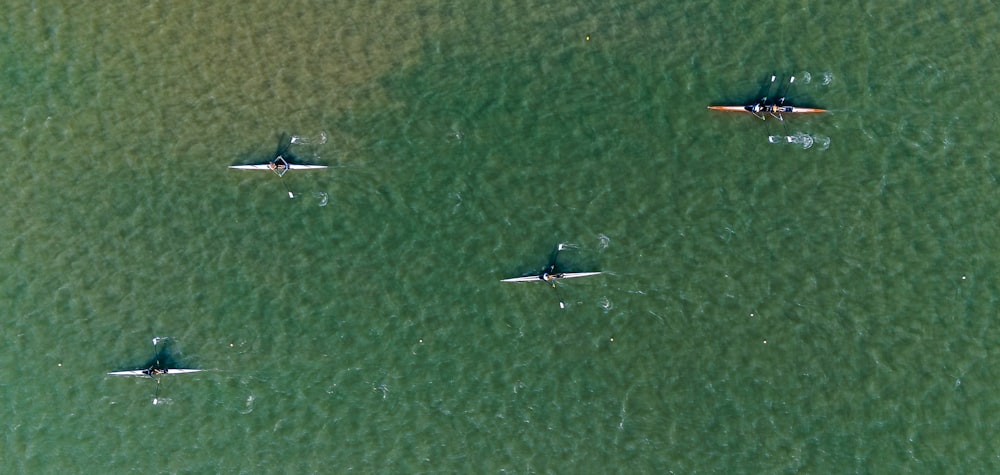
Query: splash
x=384, y=389
x=567, y=245
x=323, y=197
x=607, y=305
x=605, y=241
x=300, y=139
x=249, y=405
x=806, y=141
x=823, y=142
x=827, y=78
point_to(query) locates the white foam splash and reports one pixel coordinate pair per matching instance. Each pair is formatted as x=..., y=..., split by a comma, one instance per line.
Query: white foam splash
x=323, y=197
x=805, y=140
x=607, y=305
x=299, y=139
x=383, y=388
x=824, y=142
x=567, y=245
x=827, y=78
x=249, y=405
x=800, y=138
x=605, y=241
x=806, y=77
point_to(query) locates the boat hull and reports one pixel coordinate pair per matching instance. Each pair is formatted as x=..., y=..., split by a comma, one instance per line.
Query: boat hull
x=267, y=166
x=141, y=372
x=781, y=109
x=538, y=278
x=728, y=108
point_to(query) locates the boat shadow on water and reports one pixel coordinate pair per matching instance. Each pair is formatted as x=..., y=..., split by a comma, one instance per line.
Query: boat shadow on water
x=162, y=359
x=555, y=265
x=283, y=151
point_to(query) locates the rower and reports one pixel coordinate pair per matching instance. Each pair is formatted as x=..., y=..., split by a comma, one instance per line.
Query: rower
x=551, y=275
x=154, y=371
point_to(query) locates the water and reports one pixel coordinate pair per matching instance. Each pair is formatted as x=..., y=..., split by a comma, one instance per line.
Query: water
x=766, y=307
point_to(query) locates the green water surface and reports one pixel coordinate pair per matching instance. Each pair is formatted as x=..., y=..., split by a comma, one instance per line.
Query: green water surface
x=765, y=308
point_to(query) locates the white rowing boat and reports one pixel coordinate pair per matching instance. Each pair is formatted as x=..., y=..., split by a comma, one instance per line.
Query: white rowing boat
x=145, y=372
x=279, y=166
x=549, y=277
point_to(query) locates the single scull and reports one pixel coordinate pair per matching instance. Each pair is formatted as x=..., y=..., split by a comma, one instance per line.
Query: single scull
x=279, y=166
x=547, y=277
x=153, y=372
x=551, y=275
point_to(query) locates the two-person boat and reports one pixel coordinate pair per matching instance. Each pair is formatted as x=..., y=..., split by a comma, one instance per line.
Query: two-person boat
x=764, y=107
x=761, y=110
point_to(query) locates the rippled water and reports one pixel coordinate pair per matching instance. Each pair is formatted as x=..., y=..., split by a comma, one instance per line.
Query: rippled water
x=822, y=304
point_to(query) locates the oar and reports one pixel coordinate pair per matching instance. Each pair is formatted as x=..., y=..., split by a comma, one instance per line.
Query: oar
x=791, y=81
x=556, y=290
x=156, y=393
x=290, y=195
x=552, y=272
x=767, y=91
x=156, y=364
x=281, y=172
x=781, y=102
x=156, y=356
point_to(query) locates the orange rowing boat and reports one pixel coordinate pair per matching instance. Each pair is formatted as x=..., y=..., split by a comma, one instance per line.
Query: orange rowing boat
x=763, y=108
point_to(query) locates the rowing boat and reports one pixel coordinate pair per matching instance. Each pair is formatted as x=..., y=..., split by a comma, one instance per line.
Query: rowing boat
x=759, y=109
x=764, y=107
x=542, y=277
x=279, y=166
x=145, y=372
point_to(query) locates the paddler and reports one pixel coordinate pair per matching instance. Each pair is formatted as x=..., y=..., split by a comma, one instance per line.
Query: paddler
x=550, y=275
x=153, y=371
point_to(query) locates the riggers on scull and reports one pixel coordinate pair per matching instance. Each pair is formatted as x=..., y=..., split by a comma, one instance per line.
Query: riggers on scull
x=546, y=277
x=155, y=370
x=151, y=372
x=279, y=166
x=759, y=110
x=551, y=275
x=764, y=107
